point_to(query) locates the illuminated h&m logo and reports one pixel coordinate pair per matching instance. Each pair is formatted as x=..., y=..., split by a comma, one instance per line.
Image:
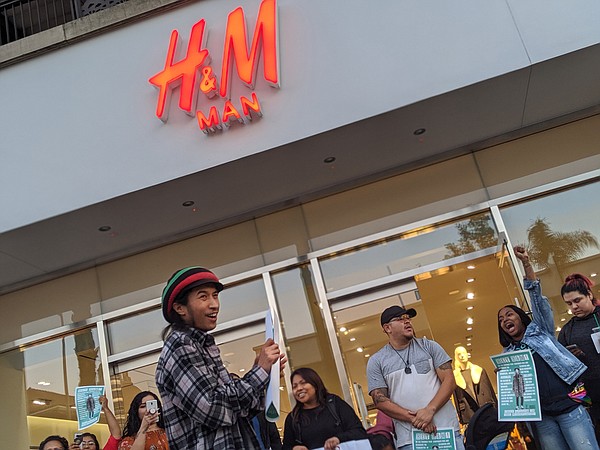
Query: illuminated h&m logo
x=193, y=72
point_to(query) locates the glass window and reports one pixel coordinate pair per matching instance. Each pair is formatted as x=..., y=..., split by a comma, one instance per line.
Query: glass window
x=562, y=234
x=304, y=326
x=145, y=328
x=38, y=388
x=408, y=251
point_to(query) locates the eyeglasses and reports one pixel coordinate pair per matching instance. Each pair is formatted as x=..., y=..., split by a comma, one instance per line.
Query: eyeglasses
x=403, y=318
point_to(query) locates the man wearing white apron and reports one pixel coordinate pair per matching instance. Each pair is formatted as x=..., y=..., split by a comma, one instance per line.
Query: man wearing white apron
x=411, y=380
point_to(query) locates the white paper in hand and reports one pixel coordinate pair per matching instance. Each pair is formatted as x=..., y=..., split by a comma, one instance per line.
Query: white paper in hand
x=272, y=401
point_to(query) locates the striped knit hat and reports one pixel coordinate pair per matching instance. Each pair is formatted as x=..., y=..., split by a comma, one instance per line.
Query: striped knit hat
x=181, y=282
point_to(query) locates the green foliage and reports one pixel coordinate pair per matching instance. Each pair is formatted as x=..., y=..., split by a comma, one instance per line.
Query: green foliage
x=547, y=246
x=475, y=234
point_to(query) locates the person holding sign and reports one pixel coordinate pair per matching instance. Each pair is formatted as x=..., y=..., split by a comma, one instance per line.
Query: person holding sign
x=581, y=335
x=411, y=380
x=204, y=408
x=565, y=424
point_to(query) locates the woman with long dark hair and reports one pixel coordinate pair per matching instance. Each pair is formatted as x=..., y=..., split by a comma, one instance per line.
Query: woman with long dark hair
x=565, y=424
x=319, y=419
x=578, y=335
x=144, y=430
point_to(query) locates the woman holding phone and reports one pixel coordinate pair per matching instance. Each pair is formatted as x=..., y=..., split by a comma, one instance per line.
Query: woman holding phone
x=145, y=429
x=579, y=333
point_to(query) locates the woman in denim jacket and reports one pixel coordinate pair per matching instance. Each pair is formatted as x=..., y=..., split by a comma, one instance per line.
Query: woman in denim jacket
x=565, y=424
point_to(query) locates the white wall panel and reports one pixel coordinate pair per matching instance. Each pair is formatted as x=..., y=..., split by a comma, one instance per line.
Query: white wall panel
x=78, y=124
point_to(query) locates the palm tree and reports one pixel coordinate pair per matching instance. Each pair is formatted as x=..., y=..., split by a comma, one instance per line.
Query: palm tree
x=547, y=247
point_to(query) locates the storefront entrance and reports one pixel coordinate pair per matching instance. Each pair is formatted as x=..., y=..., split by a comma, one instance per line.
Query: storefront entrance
x=456, y=305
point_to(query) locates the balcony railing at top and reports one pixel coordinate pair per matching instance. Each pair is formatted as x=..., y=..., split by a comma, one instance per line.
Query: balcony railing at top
x=22, y=18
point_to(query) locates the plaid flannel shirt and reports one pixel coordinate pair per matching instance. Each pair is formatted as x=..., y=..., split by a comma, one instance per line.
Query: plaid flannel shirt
x=203, y=407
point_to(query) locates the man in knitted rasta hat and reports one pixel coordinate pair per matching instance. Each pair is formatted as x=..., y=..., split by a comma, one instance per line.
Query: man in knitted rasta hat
x=203, y=407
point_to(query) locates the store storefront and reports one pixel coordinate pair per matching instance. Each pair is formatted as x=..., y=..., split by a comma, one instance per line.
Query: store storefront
x=328, y=209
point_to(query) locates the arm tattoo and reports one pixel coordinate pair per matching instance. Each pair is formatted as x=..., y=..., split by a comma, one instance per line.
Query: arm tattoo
x=380, y=396
x=446, y=366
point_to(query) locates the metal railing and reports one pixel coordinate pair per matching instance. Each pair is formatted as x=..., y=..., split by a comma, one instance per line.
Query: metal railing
x=22, y=18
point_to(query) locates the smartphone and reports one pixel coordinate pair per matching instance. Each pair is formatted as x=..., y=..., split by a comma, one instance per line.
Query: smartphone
x=77, y=438
x=152, y=406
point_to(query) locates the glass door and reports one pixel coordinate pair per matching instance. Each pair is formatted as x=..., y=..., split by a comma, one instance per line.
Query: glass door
x=456, y=306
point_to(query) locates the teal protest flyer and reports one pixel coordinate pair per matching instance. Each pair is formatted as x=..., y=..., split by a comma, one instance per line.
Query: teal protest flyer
x=442, y=440
x=87, y=405
x=518, y=394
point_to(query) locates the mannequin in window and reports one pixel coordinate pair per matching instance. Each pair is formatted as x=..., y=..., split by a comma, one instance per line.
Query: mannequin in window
x=473, y=386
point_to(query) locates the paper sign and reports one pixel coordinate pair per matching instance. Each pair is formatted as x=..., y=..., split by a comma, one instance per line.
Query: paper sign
x=272, y=400
x=518, y=395
x=442, y=440
x=87, y=405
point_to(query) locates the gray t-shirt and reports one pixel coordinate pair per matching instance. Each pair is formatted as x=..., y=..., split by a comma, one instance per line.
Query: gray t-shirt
x=413, y=391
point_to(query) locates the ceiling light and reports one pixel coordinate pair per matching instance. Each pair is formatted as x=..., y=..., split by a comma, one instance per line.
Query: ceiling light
x=593, y=274
x=242, y=370
x=470, y=280
x=281, y=388
x=470, y=267
x=43, y=383
x=367, y=355
x=352, y=339
x=468, y=344
x=329, y=159
x=469, y=321
x=188, y=203
x=470, y=295
x=469, y=308
x=569, y=312
x=359, y=349
x=469, y=338
x=342, y=329
x=104, y=228
x=39, y=402
x=557, y=329
x=469, y=328
x=419, y=131
x=563, y=319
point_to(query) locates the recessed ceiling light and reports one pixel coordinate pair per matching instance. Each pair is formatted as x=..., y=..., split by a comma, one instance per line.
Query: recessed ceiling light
x=593, y=274
x=469, y=338
x=470, y=267
x=242, y=370
x=359, y=349
x=367, y=355
x=188, y=203
x=469, y=328
x=563, y=319
x=43, y=383
x=329, y=159
x=469, y=321
x=39, y=402
x=470, y=280
x=104, y=228
x=470, y=295
x=342, y=329
x=419, y=131
x=468, y=344
x=469, y=308
x=557, y=329
x=352, y=339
